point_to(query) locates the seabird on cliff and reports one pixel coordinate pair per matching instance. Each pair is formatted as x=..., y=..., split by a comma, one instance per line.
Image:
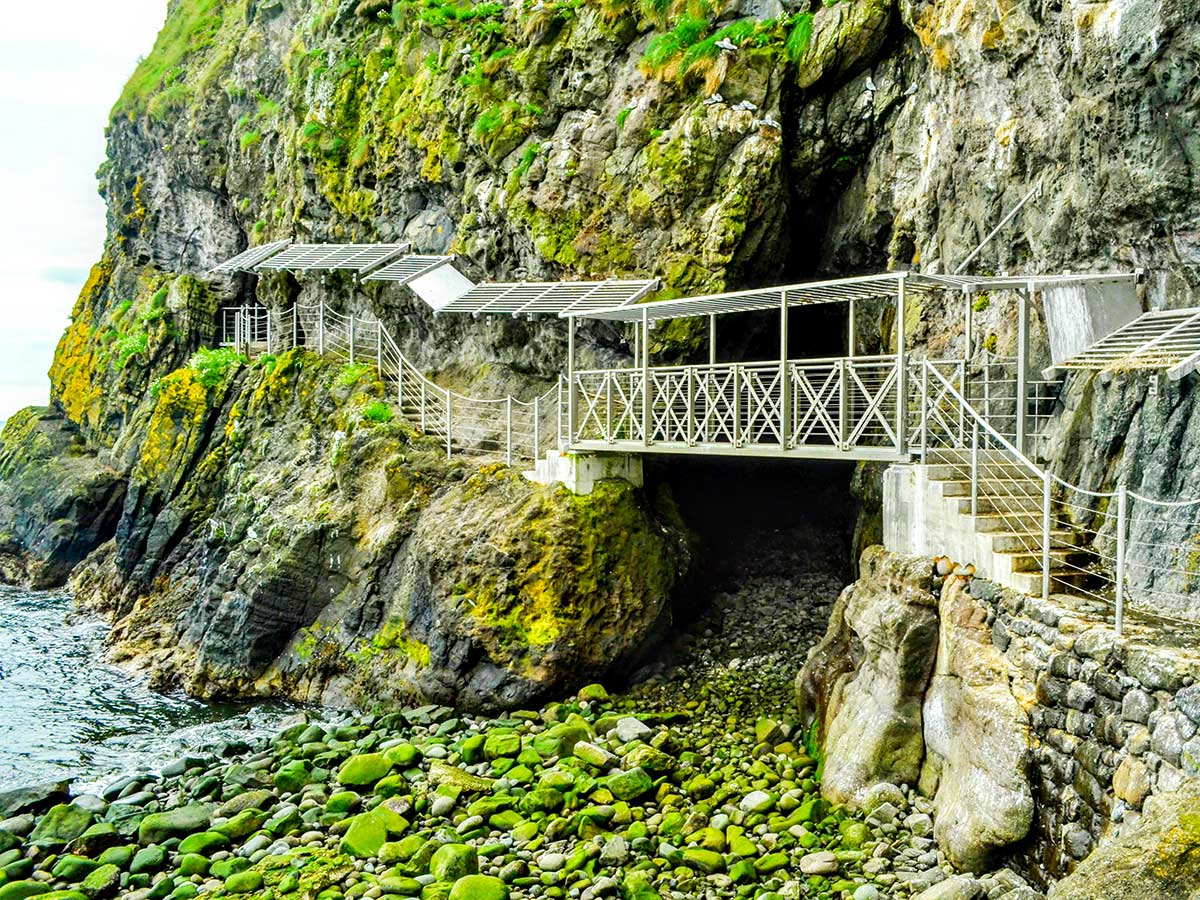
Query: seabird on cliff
x=713, y=100
x=769, y=122
x=746, y=105
x=727, y=45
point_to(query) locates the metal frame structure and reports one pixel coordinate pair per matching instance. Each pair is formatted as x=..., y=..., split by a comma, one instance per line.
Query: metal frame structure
x=1162, y=339
x=408, y=268
x=360, y=259
x=249, y=260
x=561, y=298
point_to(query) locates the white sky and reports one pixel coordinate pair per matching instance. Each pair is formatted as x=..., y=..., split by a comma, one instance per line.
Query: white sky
x=61, y=70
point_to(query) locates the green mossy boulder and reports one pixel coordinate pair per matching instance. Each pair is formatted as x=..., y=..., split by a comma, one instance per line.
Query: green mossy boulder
x=193, y=864
x=501, y=744
x=103, y=882
x=73, y=868
x=453, y=861
x=479, y=887
x=366, y=834
x=158, y=827
x=19, y=890
x=204, y=842
x=60, y=825
x=292, y=776
x=148, y=859
x=706, y=861
x=629, y=785
x=363, y=770
x=403, y=756
x=244, y=882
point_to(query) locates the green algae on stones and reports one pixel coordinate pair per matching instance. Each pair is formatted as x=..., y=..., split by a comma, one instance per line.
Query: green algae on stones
x=365, y=769
x=60, y=825
x=453, y=861
x=479, y=887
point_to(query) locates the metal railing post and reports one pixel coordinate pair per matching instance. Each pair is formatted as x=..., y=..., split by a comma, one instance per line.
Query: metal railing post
x=924, y=410
x=1045, y=535
x=351, y=338
x=449, y=430
x=737, y=405
x=962, y=412
x=974, y=467
x=647, y=425
x=423, y=405
x=537, y=427
x=559, y=414
x=379, y=348
x=843, y=404
x=608, y=429
x=1122, y=531
x=508, y=430
x=295, y=326
x=691, y=406
x=321, y=329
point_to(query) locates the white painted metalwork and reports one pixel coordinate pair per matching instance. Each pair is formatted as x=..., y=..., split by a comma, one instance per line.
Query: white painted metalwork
x=408, y=268
x=361, y=259
x=504, y=427
x=1164, y=340
x=561, y=298
x=248, y=260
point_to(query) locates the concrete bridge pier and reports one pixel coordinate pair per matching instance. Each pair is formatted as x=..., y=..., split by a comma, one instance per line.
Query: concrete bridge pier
x=579, y=472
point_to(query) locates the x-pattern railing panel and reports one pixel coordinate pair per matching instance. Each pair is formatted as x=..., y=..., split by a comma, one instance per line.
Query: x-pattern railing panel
x=762, y=405
x=816, y=399
x=714, y=393
x=871, y=389
x=670, y=409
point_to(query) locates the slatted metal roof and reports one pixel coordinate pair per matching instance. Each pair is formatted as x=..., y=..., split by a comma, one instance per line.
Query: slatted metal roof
x=974, y=284
x=842, y=290
x=408, y=268
x=549, y=297
x=358, y=258
x=247, y=260
x=1162, y=339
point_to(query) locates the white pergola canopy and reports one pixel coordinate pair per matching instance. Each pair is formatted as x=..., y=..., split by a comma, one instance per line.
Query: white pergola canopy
x=249, y=260
x=360, y=259
x=408, y=268
x=563, y=298
x=1162, y=339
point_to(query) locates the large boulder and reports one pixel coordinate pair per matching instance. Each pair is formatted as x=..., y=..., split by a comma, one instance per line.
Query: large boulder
x=1157, y=859
x=58, y=502
x=864, y=683
x=977, y=744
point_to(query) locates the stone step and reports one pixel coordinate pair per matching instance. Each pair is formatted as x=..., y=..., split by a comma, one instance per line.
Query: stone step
x=1009, y=522
x=1009, y=541
x=962, y=487
x=1006, y=506
x=1030, y=560
x=1064, y=580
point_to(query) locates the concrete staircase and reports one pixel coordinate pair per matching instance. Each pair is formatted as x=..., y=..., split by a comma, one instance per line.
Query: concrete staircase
x=1007, y=521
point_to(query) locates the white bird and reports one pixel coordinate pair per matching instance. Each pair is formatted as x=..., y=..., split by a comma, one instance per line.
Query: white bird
x=713, y=100
x=912, y=89
x=870, y=84
x=769, y=122
x=727, y=45
x=747, y=106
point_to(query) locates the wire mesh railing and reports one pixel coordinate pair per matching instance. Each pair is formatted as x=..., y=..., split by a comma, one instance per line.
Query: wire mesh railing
x=504, y=427
x=1117, y=547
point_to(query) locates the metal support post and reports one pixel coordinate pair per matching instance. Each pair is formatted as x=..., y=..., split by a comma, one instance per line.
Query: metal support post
x=851, y=329
x=1122, y=532
x=974, y=467
x=901, y=379
x=559, y=413
x=1045, y=535
x=969, y=325
x=924, y=410
x=295, y=326
x=691, y=406
x=570, y=381
x=843, y=404
x=423, y=406
x=508, y=430
x=1022, y=367
x=646, y=426
x=449, y=430
x=608, y=425
x=785, y=383
x=737, y=405
x=268, y=317
x=379, y=348
x=537, y=427
x=352, y=339
x=321, y=329
x=712, y=339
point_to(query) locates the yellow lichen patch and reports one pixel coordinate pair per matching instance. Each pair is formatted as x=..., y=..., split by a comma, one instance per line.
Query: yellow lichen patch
x=73, y=385
x=1006, y=132
x=174, y=425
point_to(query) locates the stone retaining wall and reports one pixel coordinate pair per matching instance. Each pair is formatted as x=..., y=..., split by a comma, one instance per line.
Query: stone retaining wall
x=1112, y=720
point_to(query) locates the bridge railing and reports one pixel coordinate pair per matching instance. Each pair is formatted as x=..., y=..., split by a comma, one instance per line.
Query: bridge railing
x=504, y=427
x=1116, y=547
x=839, y=403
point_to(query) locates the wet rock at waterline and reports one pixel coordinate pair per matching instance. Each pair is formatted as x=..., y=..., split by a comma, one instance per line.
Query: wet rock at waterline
x=907, y=688
x=342, y=559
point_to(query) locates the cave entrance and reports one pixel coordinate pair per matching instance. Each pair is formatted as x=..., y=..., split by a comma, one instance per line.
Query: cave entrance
x=755, y=516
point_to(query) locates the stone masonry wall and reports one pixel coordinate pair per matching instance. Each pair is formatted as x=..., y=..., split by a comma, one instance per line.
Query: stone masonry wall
x=1112, y=719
